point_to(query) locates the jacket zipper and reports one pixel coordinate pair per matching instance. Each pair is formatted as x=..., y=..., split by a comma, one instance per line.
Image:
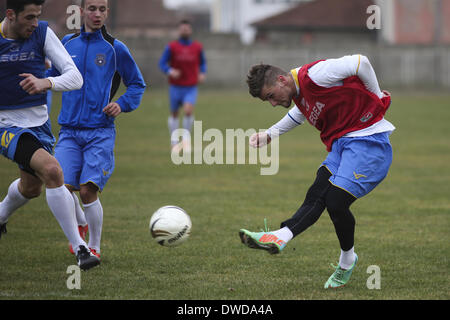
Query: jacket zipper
x=84, y=73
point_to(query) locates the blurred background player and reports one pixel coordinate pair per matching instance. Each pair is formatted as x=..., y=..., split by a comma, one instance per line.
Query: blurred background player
x=85, y=148
x=25, y=132
x=343, y=100
x=184, y=62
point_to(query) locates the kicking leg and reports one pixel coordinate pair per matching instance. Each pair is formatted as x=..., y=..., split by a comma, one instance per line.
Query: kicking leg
x=313, y=206
x=306, y=215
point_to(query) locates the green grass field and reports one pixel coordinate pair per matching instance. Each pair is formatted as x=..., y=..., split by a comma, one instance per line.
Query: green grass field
x=403, y=226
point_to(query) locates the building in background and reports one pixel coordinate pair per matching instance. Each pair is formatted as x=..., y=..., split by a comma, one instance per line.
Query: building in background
x=318, y=23
x=198, y=12
x=415, y=22
x=404, y=22
x=142, y=18
x=410, y=49
x=237, y=16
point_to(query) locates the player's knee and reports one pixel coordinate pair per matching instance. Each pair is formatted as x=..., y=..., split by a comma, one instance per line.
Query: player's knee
x=188, y=110
x=318, y=190
x=338, y=204
x=337, y=212
x=31, y=191
x=53, y=174
x=88, y=193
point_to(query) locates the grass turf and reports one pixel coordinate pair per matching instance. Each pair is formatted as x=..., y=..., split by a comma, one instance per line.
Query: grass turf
x=403, y=226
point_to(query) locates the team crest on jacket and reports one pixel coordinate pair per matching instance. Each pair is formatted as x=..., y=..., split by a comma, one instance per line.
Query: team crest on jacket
x=14, y=47
x=100, y=60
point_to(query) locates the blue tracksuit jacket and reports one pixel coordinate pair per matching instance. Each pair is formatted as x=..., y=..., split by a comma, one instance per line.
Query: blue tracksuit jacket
x=103, y=61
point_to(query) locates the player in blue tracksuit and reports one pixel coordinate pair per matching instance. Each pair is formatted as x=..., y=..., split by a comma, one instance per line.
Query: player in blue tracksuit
x=85, y=148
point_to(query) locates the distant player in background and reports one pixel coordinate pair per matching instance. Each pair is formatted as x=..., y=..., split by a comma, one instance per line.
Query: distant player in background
x=25, y=132
x=184, y=62
x=85, y=148
x=343, y=100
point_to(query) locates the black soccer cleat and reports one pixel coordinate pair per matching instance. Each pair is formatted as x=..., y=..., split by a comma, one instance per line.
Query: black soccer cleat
x=86, y=259
x=3, y=229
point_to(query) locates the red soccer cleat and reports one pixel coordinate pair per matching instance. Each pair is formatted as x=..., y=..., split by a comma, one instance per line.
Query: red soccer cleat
x=83, y=232
x=95, y=253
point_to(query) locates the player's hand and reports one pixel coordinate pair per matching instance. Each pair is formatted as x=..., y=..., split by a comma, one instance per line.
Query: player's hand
x=33, y=85
x=174, y=73
x=201, y=77
x=259, y=139
x=112, y=110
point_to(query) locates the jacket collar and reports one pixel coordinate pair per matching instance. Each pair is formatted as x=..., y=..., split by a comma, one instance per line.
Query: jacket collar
x=98, y=35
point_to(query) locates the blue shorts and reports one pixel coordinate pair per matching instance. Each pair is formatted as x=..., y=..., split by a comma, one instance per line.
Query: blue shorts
x=180, y=95
x=359, y=164
x=86, y=156
x=10, y=136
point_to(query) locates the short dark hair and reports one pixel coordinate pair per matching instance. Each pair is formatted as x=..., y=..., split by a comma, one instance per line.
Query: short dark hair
x=185, y=21
x=261, y=75
x=19, y=5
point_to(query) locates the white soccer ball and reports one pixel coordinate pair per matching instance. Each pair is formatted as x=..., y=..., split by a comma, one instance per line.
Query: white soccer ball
x=170, y=226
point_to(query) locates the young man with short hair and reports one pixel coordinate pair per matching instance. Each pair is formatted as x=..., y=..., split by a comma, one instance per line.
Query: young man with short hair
x=342, y=99
x=85, y=148
x=184, y=63
x=25, y=132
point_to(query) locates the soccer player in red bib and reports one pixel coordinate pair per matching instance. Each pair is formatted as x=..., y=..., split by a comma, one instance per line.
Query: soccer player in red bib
x=184, y=62
x=342, y=99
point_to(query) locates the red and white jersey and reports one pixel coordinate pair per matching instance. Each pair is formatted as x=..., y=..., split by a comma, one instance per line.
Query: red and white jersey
x=340, y=97
x=185, y=57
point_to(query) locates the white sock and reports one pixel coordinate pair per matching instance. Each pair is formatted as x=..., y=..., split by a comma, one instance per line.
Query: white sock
x=284, y=234
x=347, y=258
x=61, y=204
x=81, y=219
x=94, y=217
x=13, y=201
x=173, y=124
x=187, y=125
x=188, y=121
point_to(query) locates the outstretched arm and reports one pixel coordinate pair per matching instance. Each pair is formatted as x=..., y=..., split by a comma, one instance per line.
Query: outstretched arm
x=290, y=121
